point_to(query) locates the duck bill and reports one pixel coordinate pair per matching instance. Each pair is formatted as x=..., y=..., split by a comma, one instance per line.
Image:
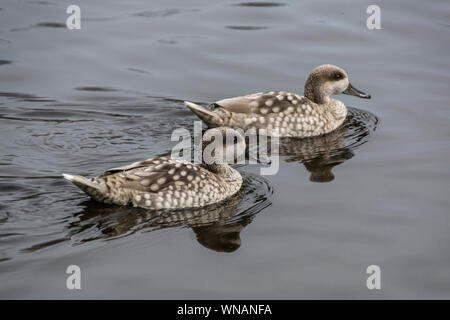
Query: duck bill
x=352, y=91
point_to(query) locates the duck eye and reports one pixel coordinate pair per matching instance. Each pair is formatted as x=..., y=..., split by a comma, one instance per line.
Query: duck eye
x=338, y=76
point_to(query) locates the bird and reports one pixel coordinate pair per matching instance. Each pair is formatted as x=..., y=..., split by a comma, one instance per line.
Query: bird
x=285, y=114
x=173, y=183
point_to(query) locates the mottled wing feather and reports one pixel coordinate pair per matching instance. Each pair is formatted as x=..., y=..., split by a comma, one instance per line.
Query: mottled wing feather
x=138, y=164
x=242, y=104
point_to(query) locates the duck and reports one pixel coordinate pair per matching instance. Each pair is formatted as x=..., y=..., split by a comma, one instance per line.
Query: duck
x=285, y=114
x=170, y=182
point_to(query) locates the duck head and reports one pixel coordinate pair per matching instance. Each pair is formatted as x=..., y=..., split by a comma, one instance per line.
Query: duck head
x=326, y=80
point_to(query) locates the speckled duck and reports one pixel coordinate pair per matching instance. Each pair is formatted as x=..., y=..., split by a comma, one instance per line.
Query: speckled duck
x=292, y=115
x=171, y=183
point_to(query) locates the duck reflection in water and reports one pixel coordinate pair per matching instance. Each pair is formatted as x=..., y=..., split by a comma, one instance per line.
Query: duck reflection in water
x=321, y=154
x=217, y=227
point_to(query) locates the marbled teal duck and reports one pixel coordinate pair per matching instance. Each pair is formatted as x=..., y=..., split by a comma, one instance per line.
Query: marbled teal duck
x=313, y=114
x=172, y=183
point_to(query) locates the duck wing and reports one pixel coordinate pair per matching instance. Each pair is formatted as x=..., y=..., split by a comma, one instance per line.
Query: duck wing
x=150, y=183
x=241, y=104
x=136, y=165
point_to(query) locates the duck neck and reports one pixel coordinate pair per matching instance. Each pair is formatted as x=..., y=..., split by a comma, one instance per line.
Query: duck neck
x=225, y=171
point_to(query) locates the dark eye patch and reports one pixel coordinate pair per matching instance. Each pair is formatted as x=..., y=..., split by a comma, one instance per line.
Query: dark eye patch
x=338, y=76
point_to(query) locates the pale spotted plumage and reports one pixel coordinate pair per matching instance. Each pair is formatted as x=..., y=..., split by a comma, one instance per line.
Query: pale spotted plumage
x=283, y=113
x=164, y=183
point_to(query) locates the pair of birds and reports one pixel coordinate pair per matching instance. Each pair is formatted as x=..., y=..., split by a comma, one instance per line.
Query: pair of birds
x=170, y=183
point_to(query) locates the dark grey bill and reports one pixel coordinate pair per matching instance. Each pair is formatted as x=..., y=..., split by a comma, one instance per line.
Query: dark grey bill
x=355, y=92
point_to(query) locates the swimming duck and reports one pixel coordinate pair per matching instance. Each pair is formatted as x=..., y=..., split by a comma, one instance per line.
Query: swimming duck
x=172, y=183
x=292, y=115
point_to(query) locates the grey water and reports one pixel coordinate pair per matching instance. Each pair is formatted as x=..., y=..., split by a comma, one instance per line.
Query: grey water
x=374, y=192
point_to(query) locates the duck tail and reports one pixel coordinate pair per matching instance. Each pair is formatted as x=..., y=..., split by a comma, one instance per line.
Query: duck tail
x=212, y=119
x=85, y=184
